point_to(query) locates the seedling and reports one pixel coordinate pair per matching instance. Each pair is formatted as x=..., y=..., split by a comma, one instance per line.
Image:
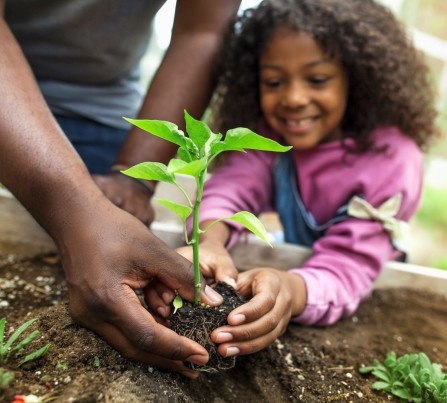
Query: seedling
x=195, y=154
x=411, y=377
x=6, y=377
x=14, y=346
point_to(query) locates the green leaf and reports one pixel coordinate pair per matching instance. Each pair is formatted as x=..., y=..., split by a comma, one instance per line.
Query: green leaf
x=198, y=131
x=37, y=354
x=18, y=332
x=241, y=138
x=405, y=394
x=381, y=385
x=178, y=303
x=249, y=221
x=151, y=171
x=27, y=340
x=184, y=155
x=161, y=128
x=381, y=374
x=6, y=377
x=193, y=168
x=2, y=331
x=181, y=210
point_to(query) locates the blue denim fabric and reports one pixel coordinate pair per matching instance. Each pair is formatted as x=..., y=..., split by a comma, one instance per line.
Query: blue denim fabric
x=299, y=225
x=98, y=145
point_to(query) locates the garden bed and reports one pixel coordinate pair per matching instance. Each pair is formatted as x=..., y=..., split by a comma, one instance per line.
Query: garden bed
x=305, y=364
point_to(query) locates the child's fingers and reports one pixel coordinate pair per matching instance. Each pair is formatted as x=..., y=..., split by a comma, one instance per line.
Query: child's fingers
x=223, y=270
x=252, y=337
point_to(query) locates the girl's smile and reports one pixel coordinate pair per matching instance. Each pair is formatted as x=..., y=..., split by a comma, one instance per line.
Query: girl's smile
x=303, y=92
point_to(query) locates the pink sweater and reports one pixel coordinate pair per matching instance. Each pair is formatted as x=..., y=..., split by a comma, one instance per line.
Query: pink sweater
x=351, y=254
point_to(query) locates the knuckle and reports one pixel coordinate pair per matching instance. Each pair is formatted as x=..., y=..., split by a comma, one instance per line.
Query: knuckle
x=271, y=323
x=246, y=334
x=177, y=353
x=146, y=340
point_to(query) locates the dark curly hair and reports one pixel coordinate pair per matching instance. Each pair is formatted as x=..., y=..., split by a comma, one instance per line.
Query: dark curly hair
x=388, y=80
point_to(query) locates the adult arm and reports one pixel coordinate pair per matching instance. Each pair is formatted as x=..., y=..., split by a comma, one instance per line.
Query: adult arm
x=106, y=253
x=183, y=81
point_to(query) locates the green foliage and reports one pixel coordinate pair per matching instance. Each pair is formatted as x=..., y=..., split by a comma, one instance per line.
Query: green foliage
x=178, y=303
x=196, y=152
x=432, y=212
x=14, y=346
x=6, y=377
x=96, y=362
x=411, y=377
x=62, y=365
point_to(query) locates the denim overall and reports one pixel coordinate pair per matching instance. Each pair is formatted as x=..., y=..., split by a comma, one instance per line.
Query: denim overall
x=298, y=224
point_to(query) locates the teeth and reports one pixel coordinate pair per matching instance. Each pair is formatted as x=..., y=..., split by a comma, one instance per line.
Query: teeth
x=302, y=122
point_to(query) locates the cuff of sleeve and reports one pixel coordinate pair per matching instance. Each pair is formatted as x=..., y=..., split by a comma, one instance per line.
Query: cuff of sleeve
x=320, y=309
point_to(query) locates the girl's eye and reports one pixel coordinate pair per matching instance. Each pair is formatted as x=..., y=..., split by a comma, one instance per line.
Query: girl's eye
x=271, y=83
x=318, y=80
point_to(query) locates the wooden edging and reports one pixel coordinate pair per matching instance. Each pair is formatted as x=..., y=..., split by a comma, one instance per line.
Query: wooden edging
x=21, y=235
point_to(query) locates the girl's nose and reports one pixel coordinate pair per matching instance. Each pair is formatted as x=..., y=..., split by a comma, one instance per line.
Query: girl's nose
x=295, y=96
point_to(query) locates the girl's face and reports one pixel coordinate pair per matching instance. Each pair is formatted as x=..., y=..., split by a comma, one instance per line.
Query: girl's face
x=303, y=91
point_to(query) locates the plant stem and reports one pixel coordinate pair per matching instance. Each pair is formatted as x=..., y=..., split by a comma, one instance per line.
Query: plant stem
x=195, y=237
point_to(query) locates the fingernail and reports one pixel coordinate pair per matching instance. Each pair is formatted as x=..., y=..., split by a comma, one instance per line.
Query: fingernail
x=198, y=359
x=232, y=351
x=214, y=296
x=231, y=282
x=162, y=312
x=237, y=319
x=167, y=297
x=222, y=337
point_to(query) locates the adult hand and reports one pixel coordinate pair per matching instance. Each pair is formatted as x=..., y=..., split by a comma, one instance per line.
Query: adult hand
x=128, y=194
x=106, y=256
x=276, y=296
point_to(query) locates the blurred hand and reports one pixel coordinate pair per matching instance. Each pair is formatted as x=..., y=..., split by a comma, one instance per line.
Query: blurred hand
x=275, y=296
x=128, y=194
x=215, y=261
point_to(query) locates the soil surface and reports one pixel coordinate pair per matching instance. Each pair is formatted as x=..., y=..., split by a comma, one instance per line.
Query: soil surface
x=305, y=364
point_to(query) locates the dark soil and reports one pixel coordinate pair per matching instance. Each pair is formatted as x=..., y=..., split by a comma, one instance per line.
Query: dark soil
x=197, y=322
x=305, y=364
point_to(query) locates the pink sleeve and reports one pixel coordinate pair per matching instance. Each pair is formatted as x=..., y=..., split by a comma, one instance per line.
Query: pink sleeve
x=351, y=255
x=341, y=271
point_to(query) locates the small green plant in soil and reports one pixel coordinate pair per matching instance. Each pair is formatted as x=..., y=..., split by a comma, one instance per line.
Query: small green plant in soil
x=15, y=347
x=411, y=377
x=195, y=154
x=6, y=377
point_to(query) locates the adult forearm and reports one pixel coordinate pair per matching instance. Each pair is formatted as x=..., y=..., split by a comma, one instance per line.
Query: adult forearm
x=184, y=79
x=37, y=162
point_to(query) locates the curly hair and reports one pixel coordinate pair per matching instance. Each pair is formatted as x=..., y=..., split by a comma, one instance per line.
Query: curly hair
x=388, y=79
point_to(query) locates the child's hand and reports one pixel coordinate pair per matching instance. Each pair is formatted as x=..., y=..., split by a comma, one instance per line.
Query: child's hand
x=215, y=261
x=276, y=297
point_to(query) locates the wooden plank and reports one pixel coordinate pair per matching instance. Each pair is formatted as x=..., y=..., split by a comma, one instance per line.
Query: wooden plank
x=21, y=235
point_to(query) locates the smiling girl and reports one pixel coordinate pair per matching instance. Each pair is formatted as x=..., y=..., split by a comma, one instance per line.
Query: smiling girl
x=340, y=82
